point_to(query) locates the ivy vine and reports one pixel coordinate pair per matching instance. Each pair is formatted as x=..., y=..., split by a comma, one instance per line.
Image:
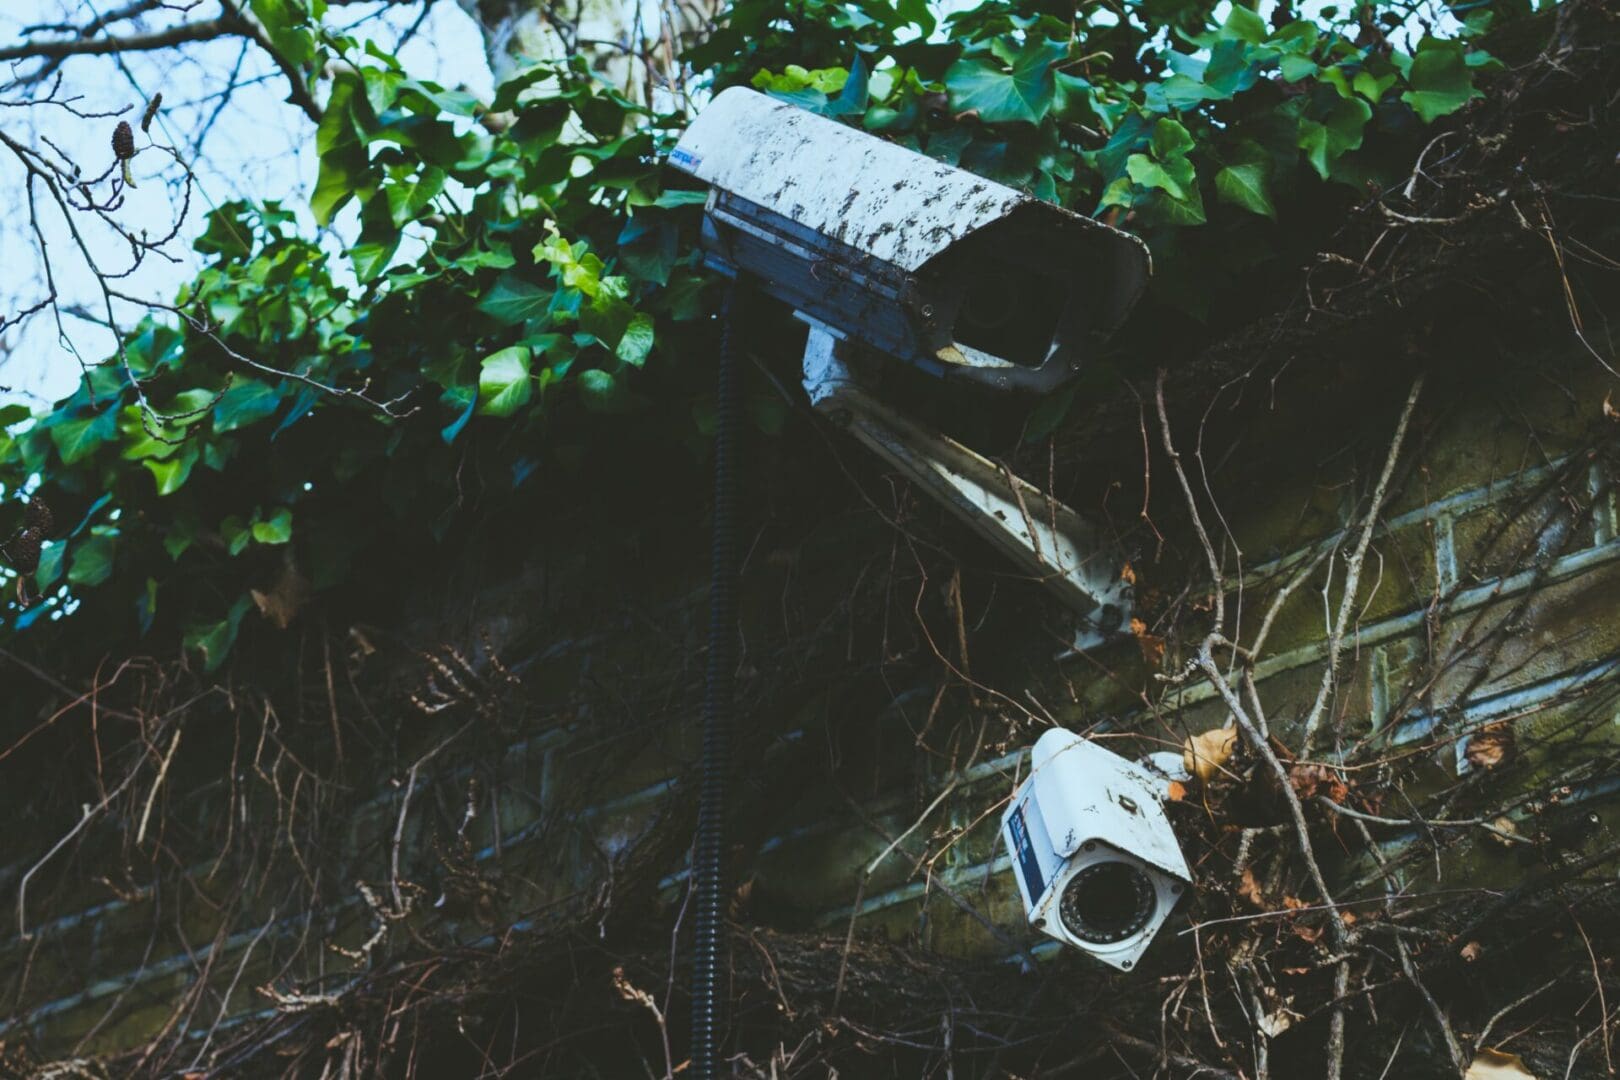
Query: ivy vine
x=521, y=267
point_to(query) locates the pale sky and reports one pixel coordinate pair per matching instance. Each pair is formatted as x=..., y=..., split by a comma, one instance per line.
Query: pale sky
x=253, y=146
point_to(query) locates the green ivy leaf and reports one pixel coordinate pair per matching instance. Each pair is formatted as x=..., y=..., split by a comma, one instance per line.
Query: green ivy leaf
x=1441, y=82
x=1145, y=172
x=514, y=300
x=597, y=386
x=1245, y=186
x=92, y=561
x=276, y=529
x=1022, y=94
x=172, y=473
x=504, y=385
x=49, y=571
x=1170, y=139
x=463, y=399
x=1244, y=24
x=1339, y=132
x=409, y=197
x=236, y=534
x=637, y=340
x=344, y=162
x=247, y=402
x=214, y=639
x=77, y=439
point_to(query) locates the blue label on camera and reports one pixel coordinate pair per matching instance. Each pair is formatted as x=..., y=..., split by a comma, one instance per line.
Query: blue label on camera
x=1024, y=852
x=684, y=159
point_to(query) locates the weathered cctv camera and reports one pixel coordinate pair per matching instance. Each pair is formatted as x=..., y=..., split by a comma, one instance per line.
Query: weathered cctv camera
x=1096, y=861
x=903, y=255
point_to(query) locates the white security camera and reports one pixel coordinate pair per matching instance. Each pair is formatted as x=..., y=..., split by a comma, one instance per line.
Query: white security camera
x=904, y=255
x=1096, y=860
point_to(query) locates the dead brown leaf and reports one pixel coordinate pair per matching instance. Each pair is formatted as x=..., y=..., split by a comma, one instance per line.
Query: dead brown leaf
x=1249, y=889
x=1175, y=791
x=1504, y=825
x=285, y=599
x=1152, y=645
x=1491, y=745
x=1471, y=951
x=1491, y=1064
x=1309, y=781
x=1608, y=406
x=1203, y=755
x=1128, y=575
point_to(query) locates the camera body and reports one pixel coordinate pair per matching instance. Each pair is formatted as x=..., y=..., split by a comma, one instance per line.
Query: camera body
x=1096, y=860
x=904, y=255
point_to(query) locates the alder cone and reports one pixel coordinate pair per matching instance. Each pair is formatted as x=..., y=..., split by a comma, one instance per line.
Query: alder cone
x=39, y=516
x=123, y=141
x=23, y=551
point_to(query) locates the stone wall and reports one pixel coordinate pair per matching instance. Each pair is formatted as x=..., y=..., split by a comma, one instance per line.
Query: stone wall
x=877, y=743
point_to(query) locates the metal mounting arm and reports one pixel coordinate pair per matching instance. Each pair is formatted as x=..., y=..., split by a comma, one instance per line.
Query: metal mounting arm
x=1045, y=538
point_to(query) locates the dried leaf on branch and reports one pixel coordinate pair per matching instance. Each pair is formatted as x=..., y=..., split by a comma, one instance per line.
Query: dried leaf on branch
x=1491, y=1064
x=1204, y=755
x=1490, y=746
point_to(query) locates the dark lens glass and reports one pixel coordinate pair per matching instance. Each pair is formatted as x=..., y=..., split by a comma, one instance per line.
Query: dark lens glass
x=1108, y=902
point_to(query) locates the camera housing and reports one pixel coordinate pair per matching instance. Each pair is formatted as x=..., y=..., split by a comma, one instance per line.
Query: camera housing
x=1096, y=860
x=902, y=254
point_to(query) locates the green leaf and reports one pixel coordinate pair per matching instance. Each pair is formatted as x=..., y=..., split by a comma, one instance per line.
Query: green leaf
x=92, y=561
x=371, y=258
x=14, y=414
x=179, y=537
x=1294, y=68
x=1023, y=94
x=1335, y=134
x=50, y=564
x=669, y=200
x=344, y=164
x=514, y=300
x=409, y=197
x=146, y=605
x=247, y=402
x=504, y=385
x=227, y=234
x=277, y=529
x=171, y=473
x=236, y=534
x=214, y=639
x=1244, y=24
x=1245, y=186
x=1170, y=139
x=284, y=21
x=1148, y=173
x=463, y=399
x=77, y=439
x=597, y=386
x=1181, y=92
x=637, y=341
x=1441, y=83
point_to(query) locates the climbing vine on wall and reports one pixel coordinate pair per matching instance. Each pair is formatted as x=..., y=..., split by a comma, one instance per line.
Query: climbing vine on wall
x=521, y=273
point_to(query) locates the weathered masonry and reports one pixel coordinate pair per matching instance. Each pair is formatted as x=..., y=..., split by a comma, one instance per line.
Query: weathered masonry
x=544, y=744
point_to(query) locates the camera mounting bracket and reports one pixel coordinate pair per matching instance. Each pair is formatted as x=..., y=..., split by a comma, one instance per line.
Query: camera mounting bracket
x=1048, y=540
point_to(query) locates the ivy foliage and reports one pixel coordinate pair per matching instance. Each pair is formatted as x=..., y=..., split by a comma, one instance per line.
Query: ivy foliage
x=521, y=272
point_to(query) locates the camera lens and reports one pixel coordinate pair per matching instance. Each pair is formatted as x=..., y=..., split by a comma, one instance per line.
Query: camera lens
x=1108, y=902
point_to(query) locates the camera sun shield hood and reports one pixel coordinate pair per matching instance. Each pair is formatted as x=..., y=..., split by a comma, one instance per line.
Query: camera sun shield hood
x=903, y=254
